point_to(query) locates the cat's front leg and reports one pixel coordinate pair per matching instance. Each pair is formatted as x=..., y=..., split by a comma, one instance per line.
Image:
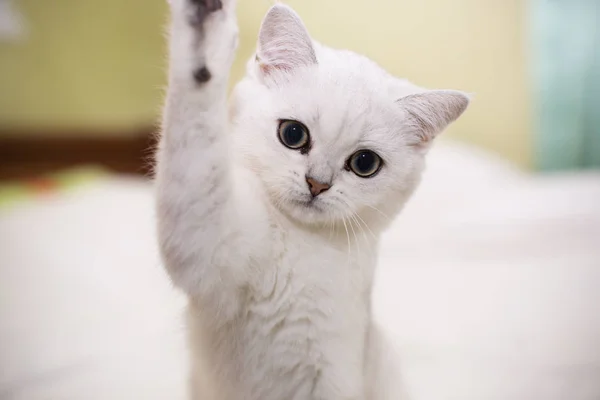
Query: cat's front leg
x=193, y=172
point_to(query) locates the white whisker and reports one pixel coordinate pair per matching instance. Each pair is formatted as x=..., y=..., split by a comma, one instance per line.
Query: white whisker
x=347, y=236
x=380, y=212
x=354, y=233
x=366, y=226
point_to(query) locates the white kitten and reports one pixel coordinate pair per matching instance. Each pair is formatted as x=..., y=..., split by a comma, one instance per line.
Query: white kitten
x=271, y=225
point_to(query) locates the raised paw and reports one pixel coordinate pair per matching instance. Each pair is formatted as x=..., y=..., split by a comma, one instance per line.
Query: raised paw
x=204, y=36
x=200, y=9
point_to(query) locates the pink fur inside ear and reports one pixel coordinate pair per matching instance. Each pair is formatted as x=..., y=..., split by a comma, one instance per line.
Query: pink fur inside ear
x=284, y=42
x=430, y=112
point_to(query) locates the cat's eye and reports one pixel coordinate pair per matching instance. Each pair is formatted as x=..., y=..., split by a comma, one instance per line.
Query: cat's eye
x=294, y=135
x=364, y=163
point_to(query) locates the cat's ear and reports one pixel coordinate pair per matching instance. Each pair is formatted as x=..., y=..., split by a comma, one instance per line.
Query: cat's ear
x=283, y=42
x=430, y=112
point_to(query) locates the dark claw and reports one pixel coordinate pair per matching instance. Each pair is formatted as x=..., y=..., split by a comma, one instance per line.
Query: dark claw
x=202, y=8
x=202, y=75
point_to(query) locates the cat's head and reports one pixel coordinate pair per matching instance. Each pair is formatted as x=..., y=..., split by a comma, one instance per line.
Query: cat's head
x=329, y=133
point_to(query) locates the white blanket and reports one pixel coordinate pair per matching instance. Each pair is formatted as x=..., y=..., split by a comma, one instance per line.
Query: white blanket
x=489, y=288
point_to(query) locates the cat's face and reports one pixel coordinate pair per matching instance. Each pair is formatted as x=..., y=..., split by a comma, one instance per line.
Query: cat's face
x=316, y=133
x=332, y=137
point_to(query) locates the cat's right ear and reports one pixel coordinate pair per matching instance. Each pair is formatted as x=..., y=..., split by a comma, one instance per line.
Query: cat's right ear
x=283, y=42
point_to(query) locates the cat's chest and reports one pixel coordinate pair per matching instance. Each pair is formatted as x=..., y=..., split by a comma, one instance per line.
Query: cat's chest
x=310, y=303
x=308, y=276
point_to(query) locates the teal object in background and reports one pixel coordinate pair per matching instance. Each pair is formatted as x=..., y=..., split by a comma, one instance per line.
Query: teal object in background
x=566, y=67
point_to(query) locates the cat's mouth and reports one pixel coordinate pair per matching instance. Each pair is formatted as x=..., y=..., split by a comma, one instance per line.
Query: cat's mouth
x=304, y=208
x=307, y=207
x=312, y=203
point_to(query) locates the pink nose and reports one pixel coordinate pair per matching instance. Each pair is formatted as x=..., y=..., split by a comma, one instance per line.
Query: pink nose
x=316, y=187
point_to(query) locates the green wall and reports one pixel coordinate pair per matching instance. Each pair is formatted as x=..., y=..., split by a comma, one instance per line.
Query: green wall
x=566, y=69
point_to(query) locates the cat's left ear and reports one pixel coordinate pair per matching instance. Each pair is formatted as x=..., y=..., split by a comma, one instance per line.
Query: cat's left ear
x=283, y=42
x=429, y=113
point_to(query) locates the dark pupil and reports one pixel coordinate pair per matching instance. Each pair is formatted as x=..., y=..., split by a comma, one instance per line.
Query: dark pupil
x=293, y=134
x=365, y=161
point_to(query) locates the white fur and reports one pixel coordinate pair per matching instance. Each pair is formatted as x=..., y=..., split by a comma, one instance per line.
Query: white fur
x=280, y=288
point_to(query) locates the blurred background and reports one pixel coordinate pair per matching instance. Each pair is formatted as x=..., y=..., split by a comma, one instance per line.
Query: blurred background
x=80, y=72
x=511, y=199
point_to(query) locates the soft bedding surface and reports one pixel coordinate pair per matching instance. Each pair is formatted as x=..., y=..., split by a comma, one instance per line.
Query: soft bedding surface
x=488, y=288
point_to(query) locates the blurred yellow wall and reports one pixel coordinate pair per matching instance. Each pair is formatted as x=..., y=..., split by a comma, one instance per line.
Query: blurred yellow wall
x=100, y=63
x=84, y=63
